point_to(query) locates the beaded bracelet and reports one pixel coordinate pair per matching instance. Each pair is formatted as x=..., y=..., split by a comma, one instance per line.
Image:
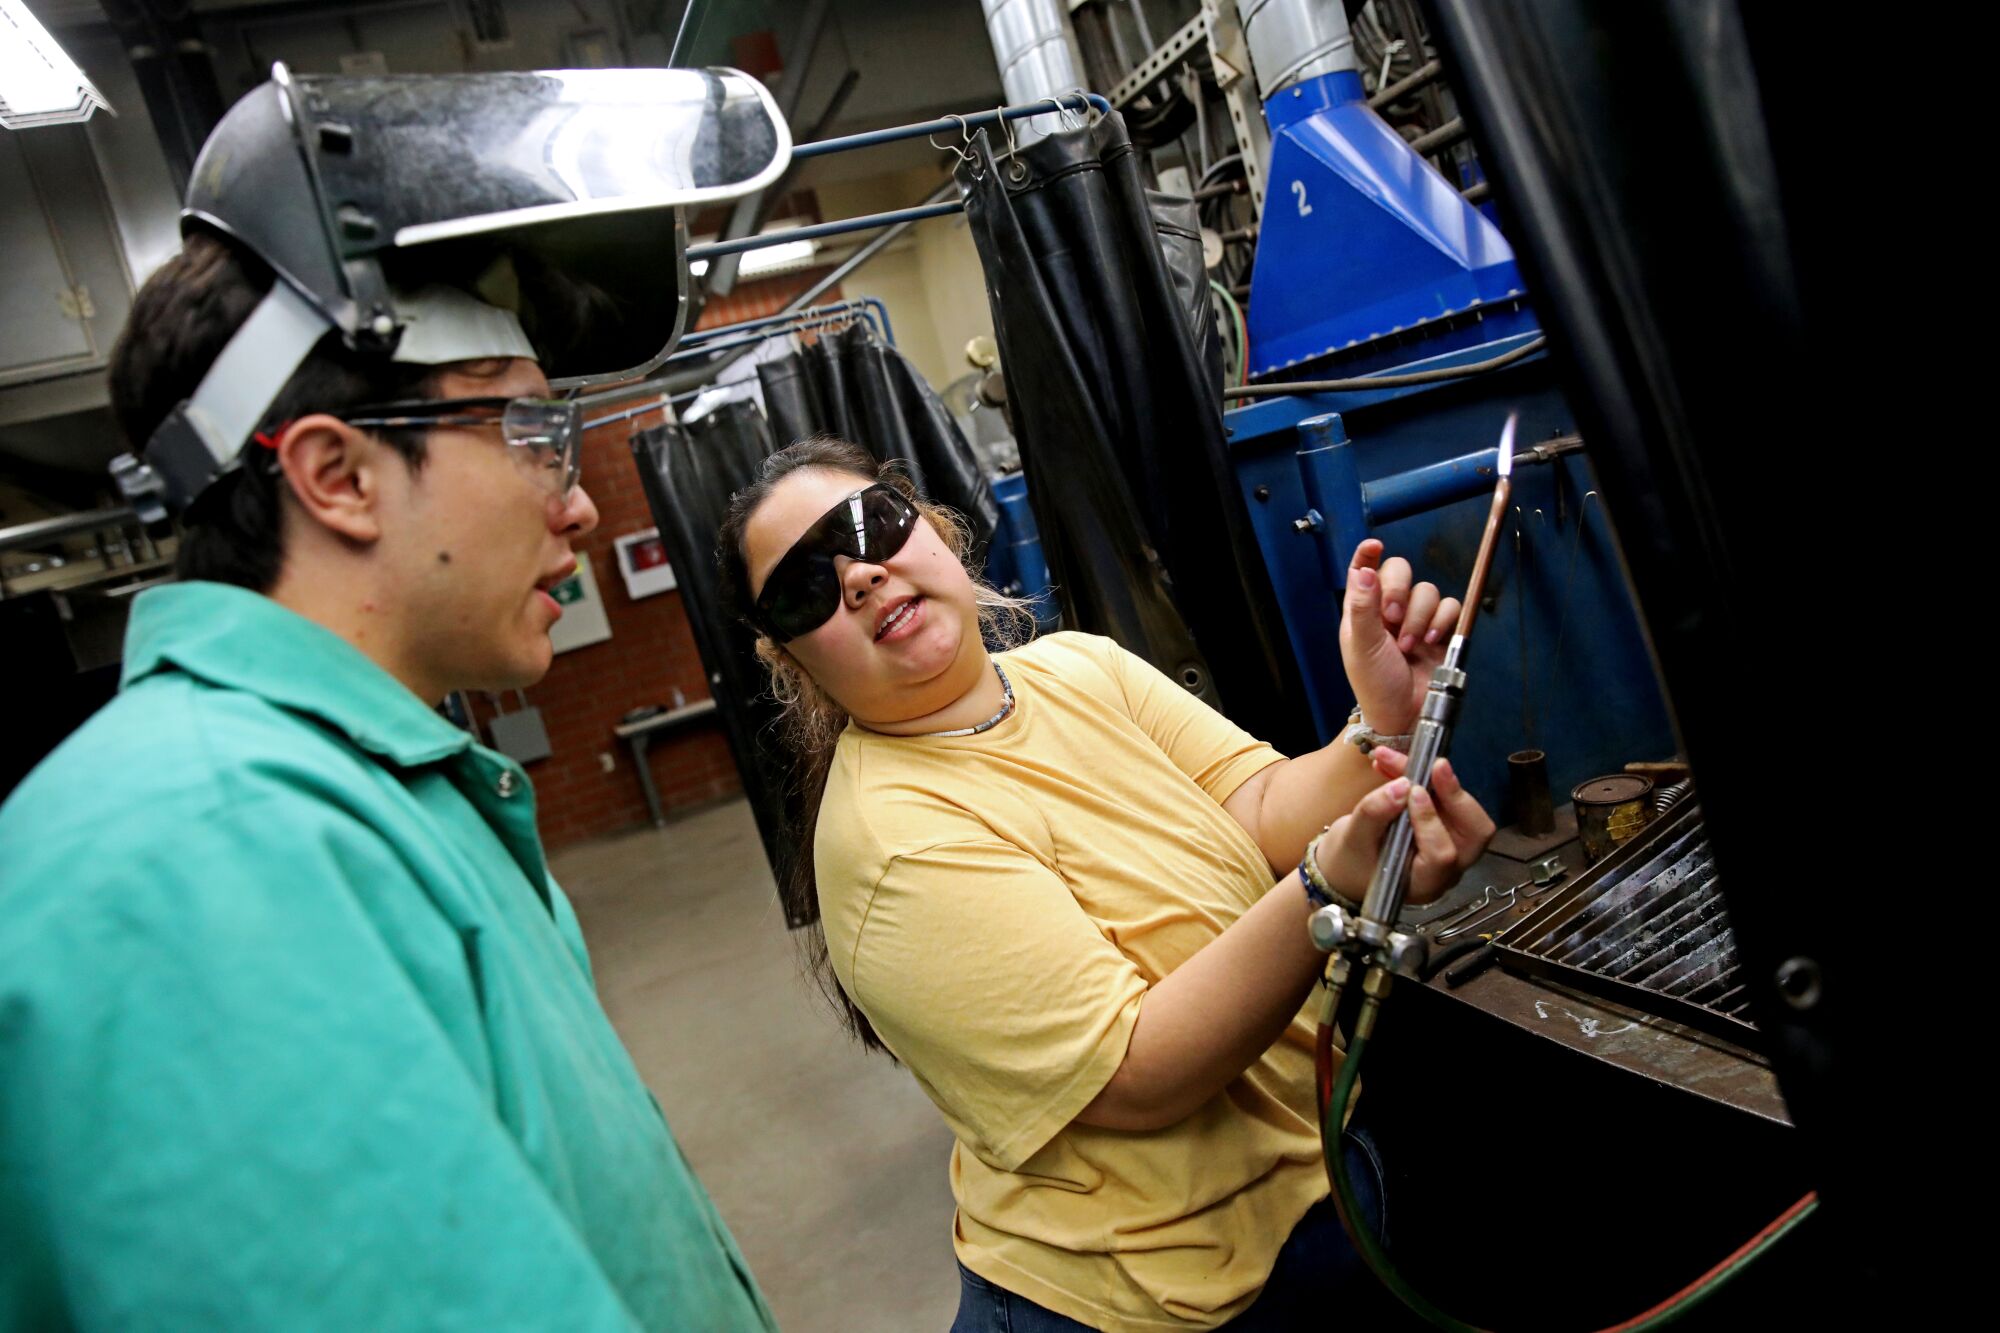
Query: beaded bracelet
x=1321, y=893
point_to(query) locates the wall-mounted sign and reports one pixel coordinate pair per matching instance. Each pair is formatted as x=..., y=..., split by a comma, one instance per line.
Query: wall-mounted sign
x=642, y=559
x=583, y=619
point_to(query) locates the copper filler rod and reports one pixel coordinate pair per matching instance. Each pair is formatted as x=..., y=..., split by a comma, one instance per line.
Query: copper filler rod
x=1496, y=517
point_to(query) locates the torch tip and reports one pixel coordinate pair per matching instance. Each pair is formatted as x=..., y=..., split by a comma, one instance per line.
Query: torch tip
x=1507, y=445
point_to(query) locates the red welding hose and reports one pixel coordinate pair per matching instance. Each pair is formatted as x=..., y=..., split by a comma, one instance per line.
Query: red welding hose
x=1705, y=1285
x=1323, y=1070
x=1715, y=1276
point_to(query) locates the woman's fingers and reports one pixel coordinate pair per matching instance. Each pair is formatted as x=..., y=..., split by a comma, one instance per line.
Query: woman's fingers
x=1471, y=827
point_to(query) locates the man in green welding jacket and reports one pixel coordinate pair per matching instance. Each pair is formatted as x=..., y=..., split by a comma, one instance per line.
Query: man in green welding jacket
x=295, y=1029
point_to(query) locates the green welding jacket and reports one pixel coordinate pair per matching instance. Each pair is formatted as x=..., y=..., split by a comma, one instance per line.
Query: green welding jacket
x=297, y=1033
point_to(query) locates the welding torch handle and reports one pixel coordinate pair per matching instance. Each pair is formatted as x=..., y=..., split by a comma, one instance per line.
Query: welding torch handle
x=1385, y=890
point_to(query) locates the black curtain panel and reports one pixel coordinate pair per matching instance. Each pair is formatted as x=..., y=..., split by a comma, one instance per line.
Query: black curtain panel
x=851, y=385
x=1114, y=378
x=792, y=402
x=689, y=473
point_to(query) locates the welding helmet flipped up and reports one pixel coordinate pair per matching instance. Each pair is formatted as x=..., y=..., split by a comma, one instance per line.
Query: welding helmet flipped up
x=431, y=219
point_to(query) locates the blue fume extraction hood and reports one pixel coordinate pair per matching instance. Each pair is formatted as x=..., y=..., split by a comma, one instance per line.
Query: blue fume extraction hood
x=1361, y=238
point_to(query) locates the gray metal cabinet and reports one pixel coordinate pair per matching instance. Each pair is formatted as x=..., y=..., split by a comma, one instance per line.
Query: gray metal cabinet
x=65, y=287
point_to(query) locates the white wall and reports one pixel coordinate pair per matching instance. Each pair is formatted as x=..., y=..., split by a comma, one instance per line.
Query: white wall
x=930, y=281
x=955, y=288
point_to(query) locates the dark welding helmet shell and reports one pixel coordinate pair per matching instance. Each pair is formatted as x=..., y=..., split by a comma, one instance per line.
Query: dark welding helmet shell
x=554, y=198
x=554, y=192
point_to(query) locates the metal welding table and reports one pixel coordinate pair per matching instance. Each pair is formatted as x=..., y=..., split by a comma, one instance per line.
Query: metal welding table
x=1559, y=1159
x=638, y=736
x=1652, y=1047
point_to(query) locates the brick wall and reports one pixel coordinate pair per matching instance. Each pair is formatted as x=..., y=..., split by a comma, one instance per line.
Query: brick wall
x=650, y=652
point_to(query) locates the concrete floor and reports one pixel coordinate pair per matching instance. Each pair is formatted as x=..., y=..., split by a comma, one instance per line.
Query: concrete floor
x=828, y=1165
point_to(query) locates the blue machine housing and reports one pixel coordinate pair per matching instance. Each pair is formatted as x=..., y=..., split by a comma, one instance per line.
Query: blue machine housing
x=1016, y=564
x=1369, y=262
x=1361, y=238
x=1558, y=660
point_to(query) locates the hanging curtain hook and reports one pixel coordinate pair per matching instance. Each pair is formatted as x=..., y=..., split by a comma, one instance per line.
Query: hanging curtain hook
x=1017, y=170
x=965, y=136
x=1071, y=116
x=965, y=153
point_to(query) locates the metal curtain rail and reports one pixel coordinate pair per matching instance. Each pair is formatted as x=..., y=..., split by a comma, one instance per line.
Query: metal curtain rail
x=657, y=404
x=817, y=230
x=1021, y=111
x=966, y=124
x=693, y=376
x=760, y=335
x=860, y=305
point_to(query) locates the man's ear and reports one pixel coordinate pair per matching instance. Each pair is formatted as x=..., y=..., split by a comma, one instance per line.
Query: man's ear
x=335, y=473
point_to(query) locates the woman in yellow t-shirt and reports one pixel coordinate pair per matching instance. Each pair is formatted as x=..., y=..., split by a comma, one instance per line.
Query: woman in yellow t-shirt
x=1045, y=881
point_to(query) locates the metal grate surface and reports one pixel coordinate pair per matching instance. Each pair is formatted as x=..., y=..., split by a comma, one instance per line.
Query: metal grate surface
x=1647, y=928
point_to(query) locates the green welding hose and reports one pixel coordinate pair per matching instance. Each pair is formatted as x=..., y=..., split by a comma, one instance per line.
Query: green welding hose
x=1363, y=1236
x=1334, y=1115
x=1239, y=330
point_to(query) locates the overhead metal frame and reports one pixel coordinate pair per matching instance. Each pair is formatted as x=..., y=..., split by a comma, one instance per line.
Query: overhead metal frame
x=1047, y=106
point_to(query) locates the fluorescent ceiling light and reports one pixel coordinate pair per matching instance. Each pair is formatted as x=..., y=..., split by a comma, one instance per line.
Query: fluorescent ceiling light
x=39, y=85
x=778, y=258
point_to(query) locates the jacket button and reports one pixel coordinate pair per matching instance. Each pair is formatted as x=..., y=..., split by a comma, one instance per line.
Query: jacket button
x=505, y=783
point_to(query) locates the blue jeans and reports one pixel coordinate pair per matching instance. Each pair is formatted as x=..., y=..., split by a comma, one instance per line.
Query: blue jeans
x=1318, y=1264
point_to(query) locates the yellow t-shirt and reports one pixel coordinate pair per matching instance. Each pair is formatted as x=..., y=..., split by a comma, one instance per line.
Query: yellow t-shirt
x=998, y=905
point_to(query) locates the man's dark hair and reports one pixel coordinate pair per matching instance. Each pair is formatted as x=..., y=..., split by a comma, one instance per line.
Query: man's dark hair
x=181, y=320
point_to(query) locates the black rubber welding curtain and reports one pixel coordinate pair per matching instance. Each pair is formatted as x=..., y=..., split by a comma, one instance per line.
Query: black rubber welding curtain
x=689, y=474
x=1114, y=380
x=849, y=384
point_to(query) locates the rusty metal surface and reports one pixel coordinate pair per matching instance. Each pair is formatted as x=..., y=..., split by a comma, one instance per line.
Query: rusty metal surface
x=1515, y=845
x=1644, y=1044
